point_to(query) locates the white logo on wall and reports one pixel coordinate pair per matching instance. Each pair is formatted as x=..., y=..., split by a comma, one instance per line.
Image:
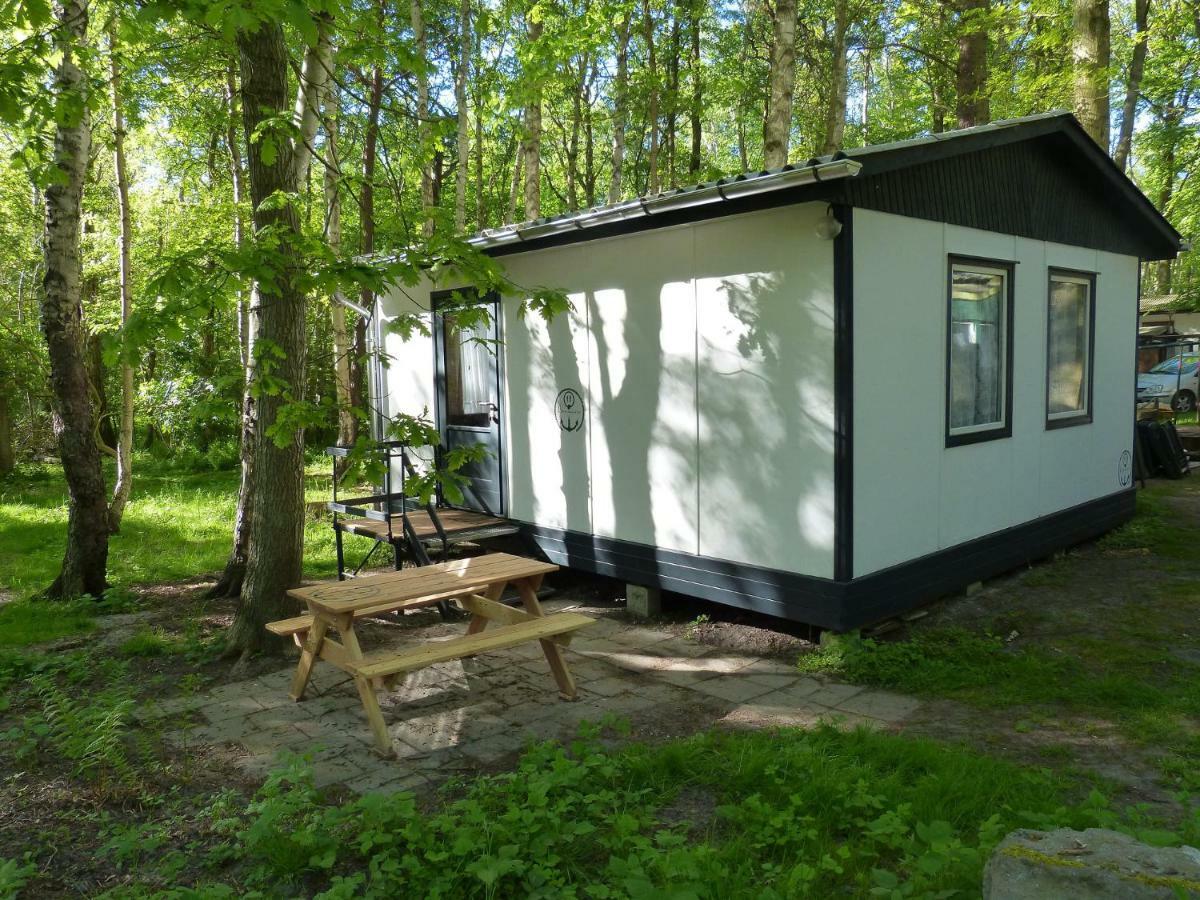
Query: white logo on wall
x=568, y=409
x=1125, y=469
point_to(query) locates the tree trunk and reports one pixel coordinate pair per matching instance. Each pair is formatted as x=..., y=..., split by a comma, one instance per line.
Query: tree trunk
x=229, y=584
x=85, y=561
x=124, y=482
x=1091, y=55
x=366, y=224
x=620, y=107
x=673, y=55
x=1133, y=84
x=239, y=192
x=589, y=138
x=531, y=148
x=514, y=190
x=342, y=350
x=697, y=106
x=481, y=219
x=652, y=183
x=276, y=546
x=835, y=107
x=974, y=105
x=576, y=129
x=463, y=116
x=7, y=457
x=428, y=199
x=781, y=85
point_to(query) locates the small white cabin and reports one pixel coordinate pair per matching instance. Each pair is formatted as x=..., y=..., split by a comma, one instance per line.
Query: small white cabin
x=830, y=392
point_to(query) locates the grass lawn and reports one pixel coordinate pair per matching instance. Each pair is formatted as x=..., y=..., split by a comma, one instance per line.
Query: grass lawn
x=1045, y=691
x=177, y=527
x=1103, y=639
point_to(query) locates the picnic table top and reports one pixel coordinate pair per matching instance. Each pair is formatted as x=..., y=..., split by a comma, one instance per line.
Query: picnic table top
x=420, y=586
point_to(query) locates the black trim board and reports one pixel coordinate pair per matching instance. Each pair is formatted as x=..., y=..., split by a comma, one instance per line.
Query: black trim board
x=836, y=605
x=843, y=395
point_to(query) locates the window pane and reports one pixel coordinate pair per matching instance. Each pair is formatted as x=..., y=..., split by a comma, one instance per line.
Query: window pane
x=977, y=342
x=469, y=378
x=1068, y=347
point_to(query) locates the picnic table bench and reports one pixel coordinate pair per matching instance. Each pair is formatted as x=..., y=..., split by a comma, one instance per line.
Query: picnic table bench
x=475, y=584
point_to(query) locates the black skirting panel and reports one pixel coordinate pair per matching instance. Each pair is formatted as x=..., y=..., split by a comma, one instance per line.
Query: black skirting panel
x=838, y=605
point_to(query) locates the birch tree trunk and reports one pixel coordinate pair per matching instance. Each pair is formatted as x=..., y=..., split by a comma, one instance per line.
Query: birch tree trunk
x=531, y=148
x=366, y=224
x=229, y=584
x=276, y=542
x=1133, y=84
x=620, y=107
x=85, y=561
x=463, y=116
x=1090, y=51
x=428, y=198
x=124, y=482
x=974, y=106
x=652, y=182
x=342, y=349
x=697, y=105
x=514, y=192
x=781, y=85
x=835, y=107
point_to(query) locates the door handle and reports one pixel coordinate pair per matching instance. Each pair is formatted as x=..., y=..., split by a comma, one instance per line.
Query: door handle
x=490, y=407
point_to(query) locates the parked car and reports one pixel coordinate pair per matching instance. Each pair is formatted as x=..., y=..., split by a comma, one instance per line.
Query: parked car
x=1176, y=380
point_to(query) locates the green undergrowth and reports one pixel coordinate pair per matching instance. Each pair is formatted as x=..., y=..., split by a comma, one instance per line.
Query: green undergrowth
x=1154, y=528
x=756, y=814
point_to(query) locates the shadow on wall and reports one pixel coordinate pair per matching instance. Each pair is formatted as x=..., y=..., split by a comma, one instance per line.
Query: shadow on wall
x=766, y=420
x=747, y=476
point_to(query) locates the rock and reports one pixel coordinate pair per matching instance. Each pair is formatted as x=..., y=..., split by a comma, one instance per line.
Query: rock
x=1095, y=863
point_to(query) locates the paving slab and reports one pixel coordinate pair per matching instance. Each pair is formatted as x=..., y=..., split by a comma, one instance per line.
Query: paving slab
x=732, y=688
x=479, y=712
x=883, y=705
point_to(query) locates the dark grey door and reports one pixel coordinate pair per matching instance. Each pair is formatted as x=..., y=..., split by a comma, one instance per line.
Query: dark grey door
x=468, y=401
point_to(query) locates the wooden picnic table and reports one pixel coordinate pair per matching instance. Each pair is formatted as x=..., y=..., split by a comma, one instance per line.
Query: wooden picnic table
x=475, y=584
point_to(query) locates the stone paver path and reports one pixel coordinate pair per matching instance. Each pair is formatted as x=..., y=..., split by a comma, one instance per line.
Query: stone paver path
x=459, y=716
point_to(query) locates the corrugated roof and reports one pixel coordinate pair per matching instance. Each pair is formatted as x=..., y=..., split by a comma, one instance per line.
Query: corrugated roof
x=870, y=160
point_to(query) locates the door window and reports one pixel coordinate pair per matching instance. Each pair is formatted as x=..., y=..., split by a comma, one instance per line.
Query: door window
x=470, y=386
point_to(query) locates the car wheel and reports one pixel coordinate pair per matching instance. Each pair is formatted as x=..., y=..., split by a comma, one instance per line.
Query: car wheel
x=1183, y=401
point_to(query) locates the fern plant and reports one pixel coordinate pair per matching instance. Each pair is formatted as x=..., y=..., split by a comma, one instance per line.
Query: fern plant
x=91, y=735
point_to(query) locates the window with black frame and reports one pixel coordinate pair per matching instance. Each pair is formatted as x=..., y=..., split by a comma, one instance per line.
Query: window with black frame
x=1069, y=334
x=979, y=351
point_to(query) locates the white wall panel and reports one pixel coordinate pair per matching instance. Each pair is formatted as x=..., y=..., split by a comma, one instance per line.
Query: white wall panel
x=764, y=297
x=913, y=495
x=898, y=378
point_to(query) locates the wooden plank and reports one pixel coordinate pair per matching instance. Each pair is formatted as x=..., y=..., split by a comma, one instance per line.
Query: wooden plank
x=284, y=627
x=554, y=655
x=493, y=611
x=379, y=664
x=427, y=583
x=308, y=655
x=484, y=567
x=366, y=693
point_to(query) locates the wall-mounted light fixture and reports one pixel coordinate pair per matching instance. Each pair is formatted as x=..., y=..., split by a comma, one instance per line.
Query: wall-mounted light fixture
x=828, y=227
